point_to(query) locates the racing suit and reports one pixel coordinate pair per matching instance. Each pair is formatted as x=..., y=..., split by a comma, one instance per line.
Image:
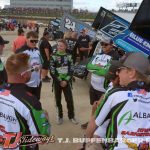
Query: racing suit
x=20, y=111
x=61, y=69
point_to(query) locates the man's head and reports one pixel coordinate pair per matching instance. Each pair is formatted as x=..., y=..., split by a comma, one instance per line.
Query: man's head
x=46, y=34
x=132, y=67
x=112, y=75
x=83, y=32
x=20, y=31
x=2, y=44
x=107, y=44
x=32, y=39
x=18, y=68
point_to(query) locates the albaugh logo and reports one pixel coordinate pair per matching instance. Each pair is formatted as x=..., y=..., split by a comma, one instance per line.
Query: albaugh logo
x=127, y=117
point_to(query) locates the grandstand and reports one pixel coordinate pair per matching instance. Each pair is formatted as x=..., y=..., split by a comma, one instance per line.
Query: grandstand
x=128, y=6
x=50, y=4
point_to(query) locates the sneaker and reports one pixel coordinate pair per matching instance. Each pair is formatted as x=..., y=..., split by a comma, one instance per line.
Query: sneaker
x=73, y=79
x=84, y=126
x=47, y=77
x=45, y=80
x=74, y=121
x=59, y=121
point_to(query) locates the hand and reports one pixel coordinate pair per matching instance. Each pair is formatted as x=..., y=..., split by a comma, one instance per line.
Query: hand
x=63, y=83
x=94, y=107
x=46, y=115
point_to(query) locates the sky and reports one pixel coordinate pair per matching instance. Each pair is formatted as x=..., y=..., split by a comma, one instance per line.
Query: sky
x=91, y=5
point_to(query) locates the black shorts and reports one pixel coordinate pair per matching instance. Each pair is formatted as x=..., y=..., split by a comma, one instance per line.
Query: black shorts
x=45, y=65
x=94, y=95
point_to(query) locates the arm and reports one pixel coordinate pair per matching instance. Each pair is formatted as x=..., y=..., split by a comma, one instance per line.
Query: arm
x=14, y=47
x=52, y=69
x=92, y=125
x=47, y=53
x=99, y=117
x=96, y=69
x=91, y=128
x=31, y=110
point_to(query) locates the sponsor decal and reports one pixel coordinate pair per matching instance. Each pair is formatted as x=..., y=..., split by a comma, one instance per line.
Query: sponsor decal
x=140, y=145
x=130, y=95
x=8, y=118
x=114, y=28
x=127, y=117
x=142, y=91
x=4, y=92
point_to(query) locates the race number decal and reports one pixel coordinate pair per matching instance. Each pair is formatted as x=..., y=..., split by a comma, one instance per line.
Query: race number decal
x=114, y=28
x=69, y=25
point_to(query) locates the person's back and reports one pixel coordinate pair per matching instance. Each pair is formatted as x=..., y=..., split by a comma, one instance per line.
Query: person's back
x=20, y=110
x=19, y=41
x=127, y=106
x=130, y=124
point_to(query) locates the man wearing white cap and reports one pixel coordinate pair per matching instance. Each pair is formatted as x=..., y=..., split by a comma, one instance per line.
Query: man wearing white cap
x=99, y=67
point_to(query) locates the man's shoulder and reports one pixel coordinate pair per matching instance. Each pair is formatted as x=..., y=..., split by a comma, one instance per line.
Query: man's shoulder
x=20, y=92
x=22, y=49
x=114, y=54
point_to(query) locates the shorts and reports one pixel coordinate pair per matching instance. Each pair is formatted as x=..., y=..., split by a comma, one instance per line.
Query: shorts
x=45, y=65
x=94, y=95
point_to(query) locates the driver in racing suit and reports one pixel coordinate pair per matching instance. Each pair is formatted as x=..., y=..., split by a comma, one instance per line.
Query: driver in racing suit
x=61, y=70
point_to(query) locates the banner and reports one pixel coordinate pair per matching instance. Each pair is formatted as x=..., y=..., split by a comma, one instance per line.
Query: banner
x=70, y=23
x=117, y=28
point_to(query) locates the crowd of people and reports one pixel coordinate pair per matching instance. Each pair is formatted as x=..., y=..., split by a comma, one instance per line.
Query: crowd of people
x=119, y=88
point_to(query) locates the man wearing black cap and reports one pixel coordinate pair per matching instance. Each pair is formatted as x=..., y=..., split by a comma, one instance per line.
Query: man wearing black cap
x=83, y=45
x=3, y=74
x=45, y=51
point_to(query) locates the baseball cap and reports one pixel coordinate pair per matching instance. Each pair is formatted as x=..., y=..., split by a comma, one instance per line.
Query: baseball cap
x=135, y=60
x=2, y=41
x=111, y=74
x=107, y=40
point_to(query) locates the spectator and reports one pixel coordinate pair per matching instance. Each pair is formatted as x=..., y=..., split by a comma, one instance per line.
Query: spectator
x=34, y=85
x=3, y=74
x=19, y=41
x=45, y=51
x=22, y=109
x=72, y=46
x=61, y=71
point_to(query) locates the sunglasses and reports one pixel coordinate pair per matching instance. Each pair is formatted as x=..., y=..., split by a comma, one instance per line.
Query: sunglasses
x=29, y=70
x=34, y=41
x=121, y=68
x=104, y=44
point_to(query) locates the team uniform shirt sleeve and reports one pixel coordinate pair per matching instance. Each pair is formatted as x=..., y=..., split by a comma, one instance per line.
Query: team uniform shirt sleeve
x=99, y=64
x=52, y=69
x=36, y=119
x=101, y=114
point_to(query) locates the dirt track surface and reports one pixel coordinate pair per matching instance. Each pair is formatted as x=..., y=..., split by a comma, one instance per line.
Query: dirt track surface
x=81, y=103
